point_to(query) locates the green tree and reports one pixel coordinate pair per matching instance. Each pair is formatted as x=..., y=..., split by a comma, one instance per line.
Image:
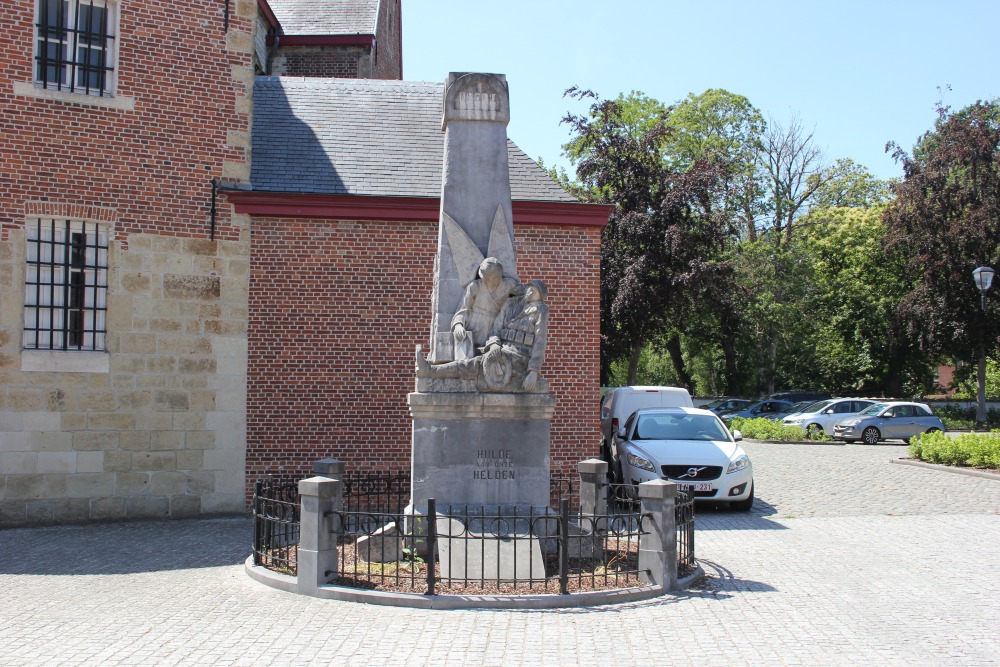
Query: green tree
x=944, y=220
x=657, y=250
x=726, y=129
x=855, y=287
x=847, y=183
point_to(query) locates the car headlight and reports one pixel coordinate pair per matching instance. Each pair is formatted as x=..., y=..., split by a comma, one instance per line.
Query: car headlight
x=850, y=422
x=793, y=421
x=739, y=464
x=639, y=462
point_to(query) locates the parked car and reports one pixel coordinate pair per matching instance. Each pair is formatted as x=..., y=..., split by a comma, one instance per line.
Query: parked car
x=895, y=420
x=795, y=396
x=801, y=406
x=767, y=408
x=620, y=402
x=724, y=405
x=689, y=446
x=822, y=416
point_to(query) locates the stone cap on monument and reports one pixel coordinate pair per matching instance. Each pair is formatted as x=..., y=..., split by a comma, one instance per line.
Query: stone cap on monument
x=477, y=97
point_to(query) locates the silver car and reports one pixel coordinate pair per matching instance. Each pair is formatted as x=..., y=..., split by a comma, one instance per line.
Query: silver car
x=822, y=416
x=888, y=421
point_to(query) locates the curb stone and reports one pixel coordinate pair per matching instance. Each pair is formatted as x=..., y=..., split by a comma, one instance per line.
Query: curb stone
x=958, y=470
x=288, y=584
x=831, y=443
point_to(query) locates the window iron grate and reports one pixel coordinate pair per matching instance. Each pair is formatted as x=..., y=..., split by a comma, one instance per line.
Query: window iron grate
x=65, y=295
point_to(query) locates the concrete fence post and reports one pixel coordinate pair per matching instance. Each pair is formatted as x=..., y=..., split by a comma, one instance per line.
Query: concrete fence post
x=321, y=499
x=658, y=546
x=332, y=468
x=594, y=492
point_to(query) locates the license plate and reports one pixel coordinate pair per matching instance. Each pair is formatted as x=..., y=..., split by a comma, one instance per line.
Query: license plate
x=697, y=486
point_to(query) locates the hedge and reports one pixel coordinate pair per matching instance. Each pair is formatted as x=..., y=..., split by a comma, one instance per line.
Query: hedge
x=978, y=450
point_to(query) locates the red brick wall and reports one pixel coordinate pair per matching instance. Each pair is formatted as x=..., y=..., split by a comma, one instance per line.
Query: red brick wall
x=341, y=62
x=336, y=308
x=153, y=164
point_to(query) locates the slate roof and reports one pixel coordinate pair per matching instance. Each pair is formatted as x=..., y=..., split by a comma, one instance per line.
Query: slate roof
x=363, y=137
x=326, y=17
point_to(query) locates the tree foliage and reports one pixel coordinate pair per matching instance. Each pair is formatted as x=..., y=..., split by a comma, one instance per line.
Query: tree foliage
x=659, y=248
x=736, y=261
x=945, y=220
x=847, y=183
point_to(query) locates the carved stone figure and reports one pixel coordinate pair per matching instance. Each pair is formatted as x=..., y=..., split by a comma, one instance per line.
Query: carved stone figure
x=513, y=356
x=484, y=301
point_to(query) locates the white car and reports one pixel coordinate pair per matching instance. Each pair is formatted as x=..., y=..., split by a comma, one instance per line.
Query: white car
x=689, y=446
x=619, y=403
x=822, y=416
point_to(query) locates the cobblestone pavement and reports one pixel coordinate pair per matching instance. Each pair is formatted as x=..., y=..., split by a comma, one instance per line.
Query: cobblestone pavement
x=846, y=559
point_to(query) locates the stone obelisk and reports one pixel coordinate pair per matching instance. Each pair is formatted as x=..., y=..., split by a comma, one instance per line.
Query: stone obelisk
x=475, y=192
x=473, y=446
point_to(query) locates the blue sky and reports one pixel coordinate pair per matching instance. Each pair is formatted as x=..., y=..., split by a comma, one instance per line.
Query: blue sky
x=858, y=74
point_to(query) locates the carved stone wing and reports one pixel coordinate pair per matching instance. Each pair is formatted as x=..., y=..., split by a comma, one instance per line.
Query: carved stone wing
x=464, y=252
x=502, y=244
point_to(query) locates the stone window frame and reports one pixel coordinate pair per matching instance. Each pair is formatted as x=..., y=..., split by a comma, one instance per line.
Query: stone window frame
x=74, y=48
x=89, y=354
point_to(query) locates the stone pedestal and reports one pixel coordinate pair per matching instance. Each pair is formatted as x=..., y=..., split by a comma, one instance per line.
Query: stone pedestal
x=480, y=450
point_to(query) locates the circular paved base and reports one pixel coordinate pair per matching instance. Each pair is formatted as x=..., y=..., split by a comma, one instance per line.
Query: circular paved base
x=547, y=601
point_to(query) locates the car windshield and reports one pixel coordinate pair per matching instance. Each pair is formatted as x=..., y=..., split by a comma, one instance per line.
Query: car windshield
x=874, y=409
x=679, y=427
x=816, y=407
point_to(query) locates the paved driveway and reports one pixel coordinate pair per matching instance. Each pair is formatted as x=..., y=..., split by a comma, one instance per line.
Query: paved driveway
x=846, y=559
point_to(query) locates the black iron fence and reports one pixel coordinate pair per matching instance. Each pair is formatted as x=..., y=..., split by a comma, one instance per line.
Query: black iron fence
x=684, y=518
x=276, y=524
x=383, y=545
x=520, y=550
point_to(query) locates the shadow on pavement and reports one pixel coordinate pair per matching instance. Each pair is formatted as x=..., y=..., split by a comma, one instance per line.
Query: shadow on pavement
x=126, y=547
x=718, y=516
x=720, y=581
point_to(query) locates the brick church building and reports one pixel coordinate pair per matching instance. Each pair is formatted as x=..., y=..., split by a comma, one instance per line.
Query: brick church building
x=218, y=222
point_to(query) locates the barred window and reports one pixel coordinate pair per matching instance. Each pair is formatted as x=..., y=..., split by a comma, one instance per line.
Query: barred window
x=74, y=51
x=66, y=285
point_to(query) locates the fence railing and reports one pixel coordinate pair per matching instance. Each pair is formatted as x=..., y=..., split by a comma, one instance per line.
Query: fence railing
x=524, y=550
x=377, y=542
x=684, y=518
x=276, y=512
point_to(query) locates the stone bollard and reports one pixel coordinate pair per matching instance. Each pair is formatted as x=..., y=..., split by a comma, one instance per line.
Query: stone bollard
x=321, y=500
x=658, y=547
x=593, y=494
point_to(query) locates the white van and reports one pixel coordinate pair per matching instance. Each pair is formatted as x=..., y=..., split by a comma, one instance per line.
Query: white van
x=618, y=404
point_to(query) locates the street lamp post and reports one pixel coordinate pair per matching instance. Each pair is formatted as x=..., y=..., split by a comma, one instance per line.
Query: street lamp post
x=983, y=277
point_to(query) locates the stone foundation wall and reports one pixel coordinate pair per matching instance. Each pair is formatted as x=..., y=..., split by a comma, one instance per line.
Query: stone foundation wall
x=160, y=433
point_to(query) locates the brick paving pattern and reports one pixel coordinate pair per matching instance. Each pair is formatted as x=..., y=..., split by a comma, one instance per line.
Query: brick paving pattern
x=846, y=559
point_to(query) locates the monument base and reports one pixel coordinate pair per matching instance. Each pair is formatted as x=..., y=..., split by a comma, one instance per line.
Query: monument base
x=480, y=449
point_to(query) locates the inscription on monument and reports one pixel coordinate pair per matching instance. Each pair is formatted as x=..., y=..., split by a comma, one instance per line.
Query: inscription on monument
x=478, y=106
x=494, y=464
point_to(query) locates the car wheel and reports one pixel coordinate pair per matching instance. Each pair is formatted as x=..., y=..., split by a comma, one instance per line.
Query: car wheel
x=743, y=505
x=933, y=429
x=871, y=436
x=814, y=430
